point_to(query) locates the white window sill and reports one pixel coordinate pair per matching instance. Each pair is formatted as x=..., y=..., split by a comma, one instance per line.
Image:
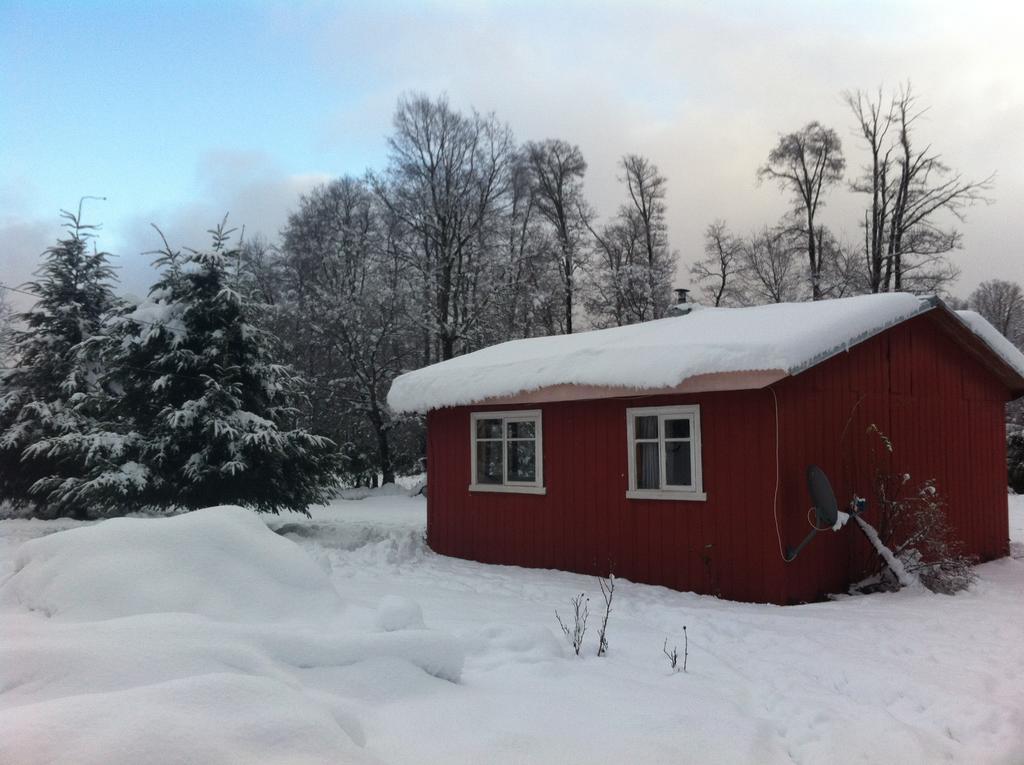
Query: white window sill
x=507, y=489
x=678, y=496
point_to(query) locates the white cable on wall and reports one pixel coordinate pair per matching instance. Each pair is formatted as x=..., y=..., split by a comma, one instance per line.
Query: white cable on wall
x=775, y=498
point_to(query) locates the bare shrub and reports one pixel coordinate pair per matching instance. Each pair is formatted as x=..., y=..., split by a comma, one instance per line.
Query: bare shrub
x=913, y=523
x=673, y=655
x=581, y=612
x=607, y=592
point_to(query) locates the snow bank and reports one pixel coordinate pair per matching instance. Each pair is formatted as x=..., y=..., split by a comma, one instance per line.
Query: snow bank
x=387, y=490
x=215, y=718
x=785, y=337
x=851, y=680
x=381, y=529
x=397, y=612
x=203, y=637
x=222, y=563
x=499, y=645
x=44, y=660
x=371, y=543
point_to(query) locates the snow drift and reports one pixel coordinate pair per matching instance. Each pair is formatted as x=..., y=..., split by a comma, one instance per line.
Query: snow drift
x=222, y=563
x=204, y=637
x=216, y=718
x=851, y=680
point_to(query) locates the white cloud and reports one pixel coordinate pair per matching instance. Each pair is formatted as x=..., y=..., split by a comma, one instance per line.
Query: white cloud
x=23, y=241
x=249, y=187
x=704, y=90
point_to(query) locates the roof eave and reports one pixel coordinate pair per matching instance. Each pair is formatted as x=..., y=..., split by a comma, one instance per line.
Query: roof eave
x=968, y=339
x=704, y=383
x=927, y=304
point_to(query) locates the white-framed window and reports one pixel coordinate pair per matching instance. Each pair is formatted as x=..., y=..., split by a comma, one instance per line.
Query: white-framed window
x=507, y=452
x=664, y=453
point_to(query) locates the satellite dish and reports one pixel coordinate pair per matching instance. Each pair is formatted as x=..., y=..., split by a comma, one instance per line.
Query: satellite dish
x=826, y=510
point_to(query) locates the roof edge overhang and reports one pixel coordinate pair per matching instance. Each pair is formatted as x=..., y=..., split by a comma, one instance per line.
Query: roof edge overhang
x=961, y=333
x=706, y=383
x=932, y=306
x=926, y=304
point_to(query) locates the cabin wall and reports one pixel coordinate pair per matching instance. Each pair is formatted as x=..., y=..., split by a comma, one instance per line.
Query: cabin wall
x=944, y=415
x=941, y=409
x=585, y=523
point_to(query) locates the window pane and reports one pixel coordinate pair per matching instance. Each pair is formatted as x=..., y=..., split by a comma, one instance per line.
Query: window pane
x=522, y=461
x=522, y=429
x=677, y=464
x=488, y=428
x=677, y=428
x=647, y=465
x=488, y=462
x=646, y=427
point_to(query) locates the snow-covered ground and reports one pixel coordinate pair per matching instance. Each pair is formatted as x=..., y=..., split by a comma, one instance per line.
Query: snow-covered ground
x=205, y=638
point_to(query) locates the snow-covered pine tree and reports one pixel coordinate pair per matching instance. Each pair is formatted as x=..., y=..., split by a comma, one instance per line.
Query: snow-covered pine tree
x=6, y=328
x=198, y=403
x=51, y=376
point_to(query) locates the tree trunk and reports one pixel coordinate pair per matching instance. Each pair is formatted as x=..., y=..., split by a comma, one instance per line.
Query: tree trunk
x=387, y=470
x=447, y=347
x=384, y=464
x=813, y=257
x=568, y=292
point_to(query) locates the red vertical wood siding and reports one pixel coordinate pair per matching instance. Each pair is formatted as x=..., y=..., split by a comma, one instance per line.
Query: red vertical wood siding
x=940, y=407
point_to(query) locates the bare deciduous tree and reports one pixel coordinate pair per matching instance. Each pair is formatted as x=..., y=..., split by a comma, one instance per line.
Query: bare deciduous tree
x=1002, y=304
x=262, y=265
x=611, y=288
x=447, y=184
x=914, y=194
x=806, y=164
x=557, y=169
x=341, y=266
x=519, y=305
x=647, y=188
x=771, y=271
x=874, y=121
x=631, y=278
x=719, y=271
x=842, y=272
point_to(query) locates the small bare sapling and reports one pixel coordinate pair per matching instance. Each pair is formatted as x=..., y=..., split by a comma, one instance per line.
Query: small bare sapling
x=581, y=612
x=607, y=592
x=673, y=655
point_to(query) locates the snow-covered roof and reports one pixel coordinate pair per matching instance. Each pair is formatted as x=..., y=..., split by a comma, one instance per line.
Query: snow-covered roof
x=994, y=339
x=786, y=338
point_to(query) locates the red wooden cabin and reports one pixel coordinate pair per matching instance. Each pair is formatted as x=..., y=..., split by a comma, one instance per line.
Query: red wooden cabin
x=549, y=453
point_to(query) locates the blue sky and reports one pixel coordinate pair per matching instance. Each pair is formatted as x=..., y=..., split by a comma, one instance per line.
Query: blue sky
x=180, y=112
x=125, y=99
